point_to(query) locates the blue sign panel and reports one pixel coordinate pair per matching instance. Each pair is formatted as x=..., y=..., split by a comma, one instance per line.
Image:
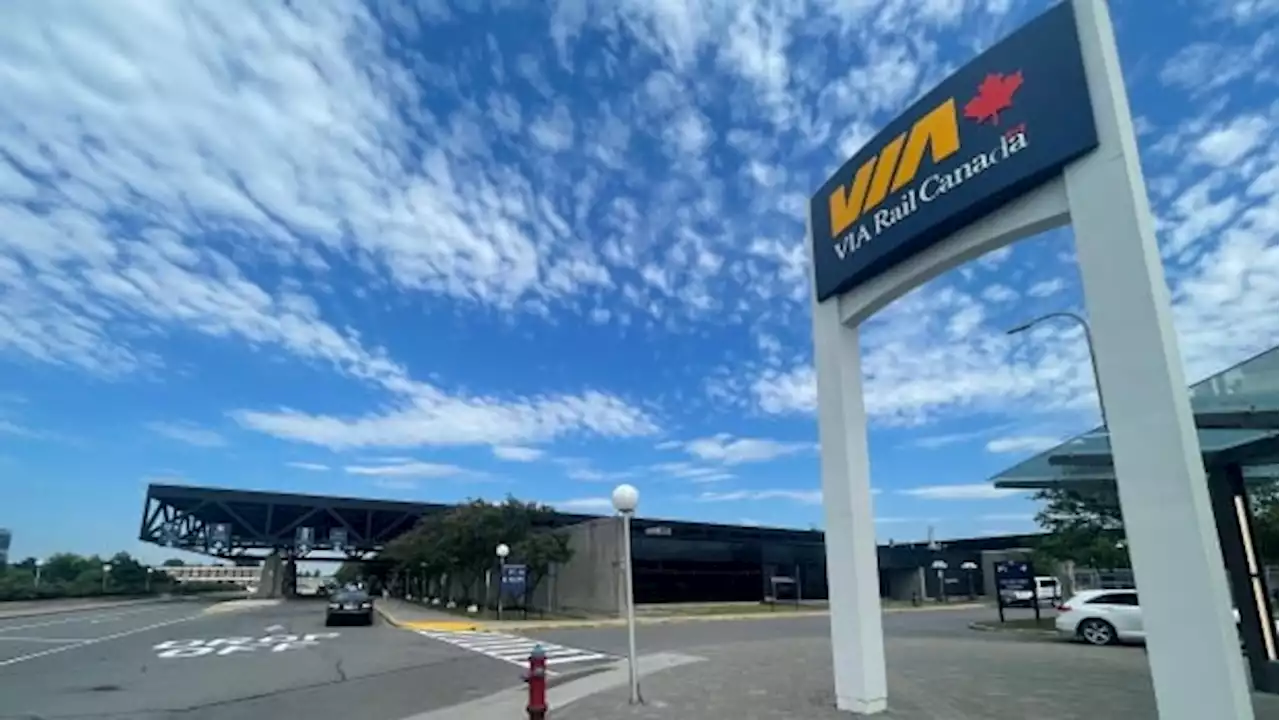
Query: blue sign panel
x=220, y=536
x=998, y=128
x=1013, y=576
x=513, y=579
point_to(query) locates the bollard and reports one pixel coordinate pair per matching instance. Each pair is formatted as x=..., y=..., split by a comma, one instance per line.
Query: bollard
x=536, y=678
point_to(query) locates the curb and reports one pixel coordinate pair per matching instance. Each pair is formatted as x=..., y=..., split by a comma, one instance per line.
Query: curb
x=430, y=625
x=985, y=627
x=501, y=626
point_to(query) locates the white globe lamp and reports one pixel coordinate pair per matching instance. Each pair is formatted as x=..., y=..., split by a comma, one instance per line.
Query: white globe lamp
x=625, y=499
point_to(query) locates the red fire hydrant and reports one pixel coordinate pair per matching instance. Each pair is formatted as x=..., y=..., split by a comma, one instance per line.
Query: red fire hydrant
x=536, y=678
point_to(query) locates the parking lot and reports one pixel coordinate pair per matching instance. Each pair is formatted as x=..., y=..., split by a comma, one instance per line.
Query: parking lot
x=217, y=662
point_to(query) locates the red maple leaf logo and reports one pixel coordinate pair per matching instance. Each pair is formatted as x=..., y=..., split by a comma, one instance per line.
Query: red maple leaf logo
x=995, y=95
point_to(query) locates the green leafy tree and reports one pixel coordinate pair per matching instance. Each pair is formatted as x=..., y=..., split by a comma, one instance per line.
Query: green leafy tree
x=1263, y=502
x=173, y=562
x=460, y=542
x=1083, y=526
x=348, y=572
x=541, y=550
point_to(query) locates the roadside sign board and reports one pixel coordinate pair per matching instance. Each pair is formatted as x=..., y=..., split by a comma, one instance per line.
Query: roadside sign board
x=999, y=127
x=1016, y=576
x=514, y=580
x=220, y=536
x=338, y=539
x=304, y=539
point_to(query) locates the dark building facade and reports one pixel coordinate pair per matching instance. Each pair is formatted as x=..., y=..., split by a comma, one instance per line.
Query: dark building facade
x=675, y=561
x=697, y=562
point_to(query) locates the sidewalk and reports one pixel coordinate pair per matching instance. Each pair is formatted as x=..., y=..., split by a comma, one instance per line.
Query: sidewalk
x=413, y=616
x=410, y=614
x=929, y=679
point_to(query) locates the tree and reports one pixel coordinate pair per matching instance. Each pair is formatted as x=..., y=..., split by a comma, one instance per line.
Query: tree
x=127, y=573
x=541, y=551
x=71, y=575
x=1264, y=501
x=173, y=562
x=348, y=572
x=460, y=542
x=1083, y=526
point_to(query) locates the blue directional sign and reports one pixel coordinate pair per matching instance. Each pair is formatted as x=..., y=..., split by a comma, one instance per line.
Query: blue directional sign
x=304, y=539
x=514, y=580
x=338, y=539
x=220, y=536
x=1014, y=576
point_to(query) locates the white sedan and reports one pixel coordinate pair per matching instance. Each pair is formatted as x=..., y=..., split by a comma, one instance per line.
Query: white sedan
x=1105, y=617
x=1102, y=617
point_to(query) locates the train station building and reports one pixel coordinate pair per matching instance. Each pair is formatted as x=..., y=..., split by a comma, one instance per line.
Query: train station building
x=675, y=560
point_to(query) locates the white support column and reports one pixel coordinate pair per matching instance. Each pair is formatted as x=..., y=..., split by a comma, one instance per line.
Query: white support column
x=853, y=582
x=1195, y=656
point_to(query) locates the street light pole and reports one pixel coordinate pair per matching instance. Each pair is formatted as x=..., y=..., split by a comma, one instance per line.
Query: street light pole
x=625, y=499
x=940, y=566
x=502, y=551
x=969, y=566
x=1088, y=341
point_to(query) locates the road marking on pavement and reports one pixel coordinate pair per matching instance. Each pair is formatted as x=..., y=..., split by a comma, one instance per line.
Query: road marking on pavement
x=513, y=649
x=94, y=641
x=92, y=619
x=13, y=638
x=190, y=648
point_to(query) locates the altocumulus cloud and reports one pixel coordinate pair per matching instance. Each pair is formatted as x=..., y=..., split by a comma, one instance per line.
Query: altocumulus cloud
x=153, y=182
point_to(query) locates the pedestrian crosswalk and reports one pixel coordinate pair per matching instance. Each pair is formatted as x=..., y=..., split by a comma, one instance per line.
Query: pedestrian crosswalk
x=514, y=649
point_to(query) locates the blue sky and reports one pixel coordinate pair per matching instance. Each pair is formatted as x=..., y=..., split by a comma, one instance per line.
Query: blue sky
x=437, y=251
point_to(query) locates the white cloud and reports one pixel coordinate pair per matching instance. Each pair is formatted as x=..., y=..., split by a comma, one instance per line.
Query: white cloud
x=1228, y=143
x=975, y=491
x=188, y=433
x=8, y=427
x=132, y=116
x=515, y=453
x=585, y=505
x=309, y=466
x=730, y=450
x=408, y=470
x=691, y=472
x=429, y=417
x=589, y=474
x=133, y=215
x=1008, y=517
x=1022, y=444
x=806, y=497
x=1045, y=288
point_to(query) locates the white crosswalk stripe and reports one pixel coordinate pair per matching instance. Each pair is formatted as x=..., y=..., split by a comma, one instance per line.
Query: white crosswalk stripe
x=513, y=649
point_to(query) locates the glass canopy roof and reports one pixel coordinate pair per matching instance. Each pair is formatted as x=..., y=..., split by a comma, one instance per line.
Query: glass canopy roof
x=1236, y=413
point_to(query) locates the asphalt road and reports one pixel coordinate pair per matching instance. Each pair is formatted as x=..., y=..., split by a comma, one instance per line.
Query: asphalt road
x=677, y=636
x=195, y=661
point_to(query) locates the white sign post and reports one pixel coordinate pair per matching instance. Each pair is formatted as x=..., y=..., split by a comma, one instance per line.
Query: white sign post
x=1194, y=652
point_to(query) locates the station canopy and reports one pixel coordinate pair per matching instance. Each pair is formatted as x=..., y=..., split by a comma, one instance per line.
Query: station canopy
x=1236, y=422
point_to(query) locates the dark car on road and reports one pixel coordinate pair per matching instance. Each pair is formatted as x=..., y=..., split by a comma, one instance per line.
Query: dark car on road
x=346, y=606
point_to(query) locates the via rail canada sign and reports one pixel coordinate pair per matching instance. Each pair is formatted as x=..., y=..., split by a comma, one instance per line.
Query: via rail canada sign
x=998, y=128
